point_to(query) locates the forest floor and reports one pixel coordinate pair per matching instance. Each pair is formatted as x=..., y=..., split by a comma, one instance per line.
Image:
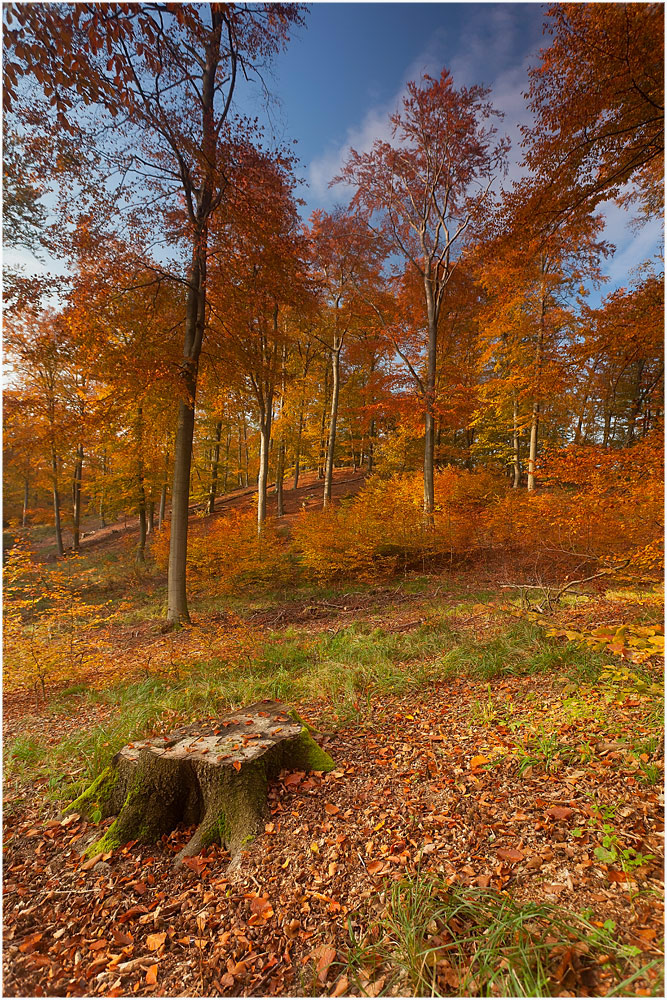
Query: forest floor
x=493, y=825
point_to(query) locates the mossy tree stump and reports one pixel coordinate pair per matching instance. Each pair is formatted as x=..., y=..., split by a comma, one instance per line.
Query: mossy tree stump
x=215, y=775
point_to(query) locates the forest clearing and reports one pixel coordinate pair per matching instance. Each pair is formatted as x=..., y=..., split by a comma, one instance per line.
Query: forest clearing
x=333, y=556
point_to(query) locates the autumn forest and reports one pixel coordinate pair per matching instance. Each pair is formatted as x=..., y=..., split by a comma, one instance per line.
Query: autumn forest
x=386, y=471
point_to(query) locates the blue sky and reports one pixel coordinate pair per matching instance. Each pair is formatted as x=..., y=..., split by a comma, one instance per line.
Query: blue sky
x=346, y=70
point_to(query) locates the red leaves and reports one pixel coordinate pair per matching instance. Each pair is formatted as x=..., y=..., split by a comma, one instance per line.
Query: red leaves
x=324, y=956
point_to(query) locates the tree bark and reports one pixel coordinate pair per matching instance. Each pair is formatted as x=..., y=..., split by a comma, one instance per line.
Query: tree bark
x=516, y=442
x=26, y=500
x=331, y=449
x=323, y=424
x=214, y=467
x=56, y=503
x=141, y=492
x=163, y=492
x=263, y=473
x=76, y=497
x=535, y=418
x=429, y=440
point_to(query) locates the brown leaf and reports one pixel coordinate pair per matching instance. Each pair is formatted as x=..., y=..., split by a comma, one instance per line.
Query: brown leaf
x=236, y=765
x=331, y=809
x=373, y=867
x=559, y=812
x=151, y=975
x=154, y=941
x=325, y=954
x=510, y=854
x=340, y=988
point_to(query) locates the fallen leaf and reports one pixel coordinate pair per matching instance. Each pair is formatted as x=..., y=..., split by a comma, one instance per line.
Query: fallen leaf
x=325, y=955
x=151, y=975
x=559, y=812
x=153, y=941
x=331, y=809
x=510, y=854
x=478, y=761
x=340, y=987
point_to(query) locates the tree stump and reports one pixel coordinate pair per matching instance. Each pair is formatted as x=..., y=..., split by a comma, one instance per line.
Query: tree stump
x=215, y=775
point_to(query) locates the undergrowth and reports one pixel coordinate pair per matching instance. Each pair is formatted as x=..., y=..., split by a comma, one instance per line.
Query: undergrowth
x=442, y=940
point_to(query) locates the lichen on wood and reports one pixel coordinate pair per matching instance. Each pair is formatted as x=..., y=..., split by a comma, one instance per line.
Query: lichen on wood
x=213, y=775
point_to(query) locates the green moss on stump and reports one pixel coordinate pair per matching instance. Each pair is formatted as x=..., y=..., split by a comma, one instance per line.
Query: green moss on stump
x=96, y=796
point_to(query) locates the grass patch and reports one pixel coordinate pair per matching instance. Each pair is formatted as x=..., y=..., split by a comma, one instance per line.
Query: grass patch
x=445, y=940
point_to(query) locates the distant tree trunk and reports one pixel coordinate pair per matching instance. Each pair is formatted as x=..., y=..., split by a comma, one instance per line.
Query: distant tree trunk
x=335, y=392
x=214, y=467
x=151, y=516
x=141, y=492
x=26, y=500
x=56, y=503
x=535, y=417
x=163, y=492
x=228, y=442
x=429, y=387
x=323, y=424
x=371, y=445
x=636, y=403
x=246, y=467
x=76, y=497
x=516, y=442
x=280, y=462
x=299, y=433
x=103, y=489
x=263, y=473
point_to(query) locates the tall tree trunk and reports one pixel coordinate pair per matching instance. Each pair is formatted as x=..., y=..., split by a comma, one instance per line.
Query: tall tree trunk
x=214, y=467
x=26, y=500
x=177, y=602
x=280, y=461
x=227, y=445
x=535, y=417
x=299, y=434
x=335, y=392
x=516, y=441
x=141, y=492
x=103, y=491
x=246, y=466
x=56, y=503
x=163, y=492
x=429, y=440
x=323, y=424
x=151, y=516
x=76, y=497
x=195, y=317
x=371, y=445
x=636, y=403
x=263, y=474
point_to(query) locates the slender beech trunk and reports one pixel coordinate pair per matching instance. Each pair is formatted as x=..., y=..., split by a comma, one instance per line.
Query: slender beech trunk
x=202, y=204
x=280, y=461
x=535, y=417
x=163, y=492
x=516, y=441
x=26, y=500
x=239, y=471
x=263, y=473
x=141, y=491
x=371, y=445
x=429, y=442
x=335, y=392
x=103, y=491
x=228, y=442
x=214, y=467
x=56, y=503
x=636, y=403
x=151, y=516
x=299, y=433
x=323, y=424
x=76, y=497
x=246, y=466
